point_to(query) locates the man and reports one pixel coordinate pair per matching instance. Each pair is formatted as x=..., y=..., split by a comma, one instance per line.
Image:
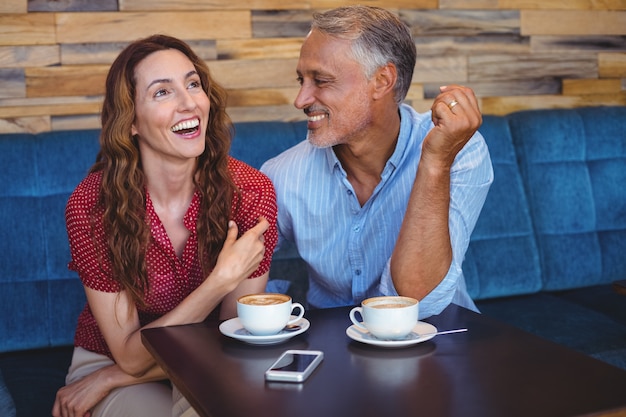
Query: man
x=380, y=200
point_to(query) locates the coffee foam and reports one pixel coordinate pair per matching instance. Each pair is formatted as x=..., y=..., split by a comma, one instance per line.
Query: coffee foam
x=389, y=305
x=388, y=302
x=264, y=299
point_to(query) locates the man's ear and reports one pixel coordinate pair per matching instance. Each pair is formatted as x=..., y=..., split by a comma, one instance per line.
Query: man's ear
x=385, y=81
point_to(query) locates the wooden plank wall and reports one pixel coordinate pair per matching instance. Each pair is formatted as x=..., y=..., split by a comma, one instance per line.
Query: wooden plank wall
x=516, y=54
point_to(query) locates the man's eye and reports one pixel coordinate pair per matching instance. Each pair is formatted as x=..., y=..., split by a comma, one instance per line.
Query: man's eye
x=300, y=80
x=319, y=82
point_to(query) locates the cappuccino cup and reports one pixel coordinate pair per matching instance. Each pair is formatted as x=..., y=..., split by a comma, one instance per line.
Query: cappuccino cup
x=388, y=317
x=267, y=314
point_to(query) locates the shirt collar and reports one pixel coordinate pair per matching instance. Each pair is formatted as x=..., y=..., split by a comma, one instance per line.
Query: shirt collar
x=406, y=127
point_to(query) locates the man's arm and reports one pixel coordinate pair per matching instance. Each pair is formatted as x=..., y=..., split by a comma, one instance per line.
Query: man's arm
x=423, y=252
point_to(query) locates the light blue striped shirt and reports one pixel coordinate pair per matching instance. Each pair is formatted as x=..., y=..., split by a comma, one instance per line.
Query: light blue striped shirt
x=347, y=247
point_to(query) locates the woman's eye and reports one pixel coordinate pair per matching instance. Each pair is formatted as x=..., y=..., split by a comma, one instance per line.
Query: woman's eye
x=160, y=92
x=195, y=84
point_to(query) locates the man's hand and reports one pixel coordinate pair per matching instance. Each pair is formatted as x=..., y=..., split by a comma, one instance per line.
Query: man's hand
x=456, y=117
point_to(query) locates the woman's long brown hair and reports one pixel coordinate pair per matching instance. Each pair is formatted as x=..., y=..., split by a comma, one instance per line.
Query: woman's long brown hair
x=122, y=195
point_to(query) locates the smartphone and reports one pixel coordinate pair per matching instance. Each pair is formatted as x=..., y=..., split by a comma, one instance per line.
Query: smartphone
x=294, y=365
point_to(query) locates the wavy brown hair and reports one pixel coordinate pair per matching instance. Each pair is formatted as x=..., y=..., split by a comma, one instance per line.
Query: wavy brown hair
x=122, y=194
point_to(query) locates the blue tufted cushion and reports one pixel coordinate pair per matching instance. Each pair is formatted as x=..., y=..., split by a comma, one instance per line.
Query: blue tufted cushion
x=502, y=257
x=36, y=289
x=256, y=142
x=574, y=170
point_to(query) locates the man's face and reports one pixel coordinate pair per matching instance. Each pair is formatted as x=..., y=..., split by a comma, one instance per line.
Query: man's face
x=334, y=93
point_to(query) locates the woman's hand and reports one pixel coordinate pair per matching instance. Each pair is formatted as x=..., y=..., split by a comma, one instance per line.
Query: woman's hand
x=78, y=398
x=239, y=258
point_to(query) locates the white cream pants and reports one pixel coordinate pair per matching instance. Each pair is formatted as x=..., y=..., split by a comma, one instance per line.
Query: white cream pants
x=150, y=399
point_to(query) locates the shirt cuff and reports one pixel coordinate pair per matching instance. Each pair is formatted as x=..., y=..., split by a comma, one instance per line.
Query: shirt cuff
x=386, y=286
x=436, y=301
x=441, y=296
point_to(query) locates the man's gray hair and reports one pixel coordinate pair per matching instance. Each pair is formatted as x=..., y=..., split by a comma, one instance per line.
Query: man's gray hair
x=378, y=38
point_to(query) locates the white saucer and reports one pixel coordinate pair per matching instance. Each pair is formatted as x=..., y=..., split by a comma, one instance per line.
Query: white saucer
x=233, y=328
x=363, y=336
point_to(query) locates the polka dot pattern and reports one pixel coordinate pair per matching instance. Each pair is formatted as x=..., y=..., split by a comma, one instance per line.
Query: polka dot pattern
x=171, y=278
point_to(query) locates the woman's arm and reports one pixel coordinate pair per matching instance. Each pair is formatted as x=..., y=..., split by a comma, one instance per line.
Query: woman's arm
x=249, y=286
x=118, y=319
x=79, y=397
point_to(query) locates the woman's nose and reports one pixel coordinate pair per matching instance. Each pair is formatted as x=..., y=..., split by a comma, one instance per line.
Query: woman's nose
x=186, y=101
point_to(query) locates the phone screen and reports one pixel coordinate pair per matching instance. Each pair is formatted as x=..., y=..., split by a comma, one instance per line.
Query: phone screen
x=294, y=365
x=294, y=362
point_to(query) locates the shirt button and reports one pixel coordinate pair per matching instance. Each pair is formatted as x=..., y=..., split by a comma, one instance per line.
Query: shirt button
x=357, y=229
x=357, y=272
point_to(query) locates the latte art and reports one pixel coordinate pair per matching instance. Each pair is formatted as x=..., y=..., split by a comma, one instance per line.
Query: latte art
x=264, y=300
x=266, y=314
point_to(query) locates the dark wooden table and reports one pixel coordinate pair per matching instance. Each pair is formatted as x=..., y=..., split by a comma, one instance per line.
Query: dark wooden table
x=492, y=370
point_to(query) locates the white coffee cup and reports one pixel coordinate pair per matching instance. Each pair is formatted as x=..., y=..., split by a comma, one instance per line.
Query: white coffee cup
x=266, y=314
x=387, y=317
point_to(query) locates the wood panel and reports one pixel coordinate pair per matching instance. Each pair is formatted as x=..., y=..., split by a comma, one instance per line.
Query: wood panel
x=592, y=86
x=255, y=73
x=89, y=121
x=25, y=124
x=470, y=45
x=29, y=56
x=259, y=48
x=13, y=83
x=504, y=105
x=27, y=29
x=445, y=70
x=515, y=54
x=388, y=4
x=280, y=24
x=556, y=44
x=612, y=65
x=416, y=92
x=262, y=96
x=105, y=53
x=518, y=67
x=537, y=86
x=551, y=22
x=421, y=105
x=563, y=4
x=14, y=108
x=461, y=22
x=13, y=6
x=152, y=5
x=126, y=26
x=284, y=112
x=468, y=4
x=72, y=5
x=67, y=80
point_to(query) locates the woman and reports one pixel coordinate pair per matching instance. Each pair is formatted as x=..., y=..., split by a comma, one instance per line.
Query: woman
x=154, y=227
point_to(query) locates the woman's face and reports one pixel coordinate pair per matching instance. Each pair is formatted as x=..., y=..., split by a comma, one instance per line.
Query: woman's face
x=171, y=108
